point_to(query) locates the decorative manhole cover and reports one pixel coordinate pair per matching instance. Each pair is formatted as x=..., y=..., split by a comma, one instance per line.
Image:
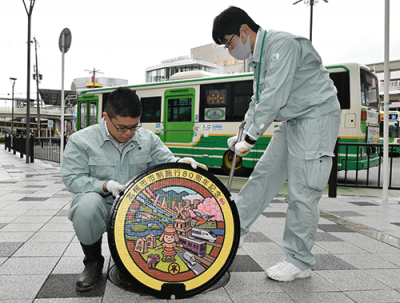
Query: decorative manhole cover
x=174, y=231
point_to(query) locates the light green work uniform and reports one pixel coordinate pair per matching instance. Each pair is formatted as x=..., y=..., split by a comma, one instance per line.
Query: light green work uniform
x=90, y=159
x=290, y=85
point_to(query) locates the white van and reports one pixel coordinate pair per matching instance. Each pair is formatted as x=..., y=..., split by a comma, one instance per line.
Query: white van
x=190, y=258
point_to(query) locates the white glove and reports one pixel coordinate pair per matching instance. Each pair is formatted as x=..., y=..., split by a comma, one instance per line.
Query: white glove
x=192, y=162
x=114, y=187
x=232, y=141
x=243, y=148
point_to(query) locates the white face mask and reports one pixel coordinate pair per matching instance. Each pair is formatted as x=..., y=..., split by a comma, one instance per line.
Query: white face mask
x=241, y=51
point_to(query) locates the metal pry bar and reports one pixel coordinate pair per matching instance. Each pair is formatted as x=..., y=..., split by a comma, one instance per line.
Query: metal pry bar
x=232, y=172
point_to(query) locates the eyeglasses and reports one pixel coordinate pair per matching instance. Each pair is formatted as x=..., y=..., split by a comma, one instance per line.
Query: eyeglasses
x=125, y=129
x=228, y=44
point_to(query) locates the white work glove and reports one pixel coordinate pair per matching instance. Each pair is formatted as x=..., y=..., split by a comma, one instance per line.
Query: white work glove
x=114, y=187
x=232, y=141
x=192, y=162
x=243, y=148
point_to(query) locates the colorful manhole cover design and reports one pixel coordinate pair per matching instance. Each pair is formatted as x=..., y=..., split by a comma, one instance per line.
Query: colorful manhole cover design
x=174, y=231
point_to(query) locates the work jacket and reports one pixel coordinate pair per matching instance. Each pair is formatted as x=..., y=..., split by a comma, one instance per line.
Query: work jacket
x=90, y=158
x=290, y=82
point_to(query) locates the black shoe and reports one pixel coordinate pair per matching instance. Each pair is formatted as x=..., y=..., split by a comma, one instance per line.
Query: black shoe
x=94, y=262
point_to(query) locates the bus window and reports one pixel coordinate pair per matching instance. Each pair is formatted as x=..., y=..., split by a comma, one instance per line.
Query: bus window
x=225, y=101
x=341, y=81
x=105, y=99
x=93, y=113
x=151, y=108
x=369, y=90
x=394, y=130
x=214, y=101
x=180, y=110
x=241, y=99
x=83, y=115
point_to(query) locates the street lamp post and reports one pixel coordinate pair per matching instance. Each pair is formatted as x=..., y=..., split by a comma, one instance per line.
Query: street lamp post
x=37, y=77
x=28, y=89
x=12, y=112
x=311, y=3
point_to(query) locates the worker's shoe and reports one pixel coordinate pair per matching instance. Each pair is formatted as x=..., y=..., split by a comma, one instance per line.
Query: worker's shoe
x=285, y=272
x=93, y=267
x=241, y=240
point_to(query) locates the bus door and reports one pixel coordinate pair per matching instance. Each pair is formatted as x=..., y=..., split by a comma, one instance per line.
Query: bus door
x=179, y=107
x=88, y=109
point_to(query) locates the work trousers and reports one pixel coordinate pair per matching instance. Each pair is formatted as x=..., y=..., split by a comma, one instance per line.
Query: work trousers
x=300, y=152
x=89, y=213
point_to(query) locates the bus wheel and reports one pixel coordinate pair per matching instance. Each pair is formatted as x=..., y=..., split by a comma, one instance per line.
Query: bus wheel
x=227, y=163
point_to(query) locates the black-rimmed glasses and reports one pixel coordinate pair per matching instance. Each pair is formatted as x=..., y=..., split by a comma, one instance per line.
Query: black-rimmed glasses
x=228, y=44
x=124, y=129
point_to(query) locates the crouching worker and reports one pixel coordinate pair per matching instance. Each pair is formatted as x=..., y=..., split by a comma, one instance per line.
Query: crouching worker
x=97, y=163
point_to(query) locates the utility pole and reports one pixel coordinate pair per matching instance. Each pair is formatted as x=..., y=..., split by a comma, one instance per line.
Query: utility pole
x=28, y=90
x=385, y=185
x=37, y=77
x=93, y=72
x=12, y=113
x=311, y=3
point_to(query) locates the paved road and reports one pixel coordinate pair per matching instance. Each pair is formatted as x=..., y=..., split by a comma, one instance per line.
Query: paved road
x=372, y=177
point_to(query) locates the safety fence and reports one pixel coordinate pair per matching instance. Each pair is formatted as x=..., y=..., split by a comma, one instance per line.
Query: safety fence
x=48, y=149
x=368, y=170
x=367, y=173
x=43, y=148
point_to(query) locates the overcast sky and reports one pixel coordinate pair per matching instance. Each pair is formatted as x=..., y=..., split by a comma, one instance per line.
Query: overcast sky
x=123, y=37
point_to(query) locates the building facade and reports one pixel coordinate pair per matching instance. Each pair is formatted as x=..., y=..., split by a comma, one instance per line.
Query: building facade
x=394, y=85
x=217, y=54
x=211, y=58
x=167, y=68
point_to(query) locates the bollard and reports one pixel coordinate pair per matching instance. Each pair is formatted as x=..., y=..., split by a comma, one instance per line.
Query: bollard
x=5, y=142
x=332, y=191
x=13, y=147
x=31, y=149
x=21, y=147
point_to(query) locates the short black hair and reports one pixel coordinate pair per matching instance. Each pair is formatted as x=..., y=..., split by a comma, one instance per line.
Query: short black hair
x=124, y=102
x=229, y=22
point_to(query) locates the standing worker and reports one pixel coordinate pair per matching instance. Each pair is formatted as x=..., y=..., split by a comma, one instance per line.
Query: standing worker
x=290, y=85
x=97, y=163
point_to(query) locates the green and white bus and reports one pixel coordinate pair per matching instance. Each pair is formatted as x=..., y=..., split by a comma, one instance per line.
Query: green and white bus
x=394, y=130
x=196, y=112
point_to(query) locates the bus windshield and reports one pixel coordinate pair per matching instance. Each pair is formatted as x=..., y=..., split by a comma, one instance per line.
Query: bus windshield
x=394, y=129
x=369, y=90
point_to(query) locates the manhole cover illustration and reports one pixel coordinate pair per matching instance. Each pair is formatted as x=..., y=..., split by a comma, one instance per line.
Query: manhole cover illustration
x=174, y=231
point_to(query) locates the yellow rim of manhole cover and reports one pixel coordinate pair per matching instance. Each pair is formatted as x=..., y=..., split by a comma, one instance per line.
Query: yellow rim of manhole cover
x=174, y=231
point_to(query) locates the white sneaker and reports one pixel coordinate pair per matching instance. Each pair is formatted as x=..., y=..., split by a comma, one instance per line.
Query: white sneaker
x=285, y=272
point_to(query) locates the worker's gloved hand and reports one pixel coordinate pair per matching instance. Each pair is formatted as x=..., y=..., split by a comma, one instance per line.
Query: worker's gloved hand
x=114, y=187
x=192, y=162
x=232, y=141
x=243, y=148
